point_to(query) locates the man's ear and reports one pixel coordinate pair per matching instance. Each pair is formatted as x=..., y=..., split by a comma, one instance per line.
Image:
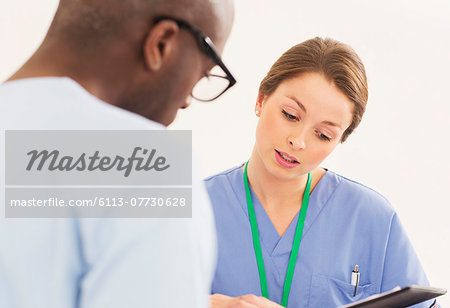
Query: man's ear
x=160, y=44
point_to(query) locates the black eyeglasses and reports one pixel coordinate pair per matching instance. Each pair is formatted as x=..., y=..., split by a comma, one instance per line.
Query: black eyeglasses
x=219, y=79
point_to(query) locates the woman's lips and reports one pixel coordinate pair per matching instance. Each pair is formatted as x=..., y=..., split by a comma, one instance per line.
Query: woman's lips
x=282, y=160
x=288, y=156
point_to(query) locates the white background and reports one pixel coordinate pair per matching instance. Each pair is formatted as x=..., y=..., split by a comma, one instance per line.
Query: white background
x=401, y=148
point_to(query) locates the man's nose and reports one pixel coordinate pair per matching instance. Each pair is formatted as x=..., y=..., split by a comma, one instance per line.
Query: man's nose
x=187, y=102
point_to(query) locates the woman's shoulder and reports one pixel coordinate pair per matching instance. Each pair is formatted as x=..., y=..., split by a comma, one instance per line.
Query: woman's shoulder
x=358, y=195
x=226, y=175
x=225, y=190
x=225, y=181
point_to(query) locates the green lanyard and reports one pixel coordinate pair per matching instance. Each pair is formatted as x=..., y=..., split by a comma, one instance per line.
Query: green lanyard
x=295, y=245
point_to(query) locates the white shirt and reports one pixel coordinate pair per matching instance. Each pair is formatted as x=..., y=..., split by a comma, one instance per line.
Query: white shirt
x=97, y=262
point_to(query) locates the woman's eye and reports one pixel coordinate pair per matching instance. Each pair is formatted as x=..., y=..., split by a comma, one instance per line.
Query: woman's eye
x=289, y=116
x=323, y=137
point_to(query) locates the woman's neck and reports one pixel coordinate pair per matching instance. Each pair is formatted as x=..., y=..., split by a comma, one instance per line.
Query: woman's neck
x=280, y=198
x=272, y=190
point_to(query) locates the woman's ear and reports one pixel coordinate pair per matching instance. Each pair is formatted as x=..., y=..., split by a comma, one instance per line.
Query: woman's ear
x=258, y=105
x=159, y=44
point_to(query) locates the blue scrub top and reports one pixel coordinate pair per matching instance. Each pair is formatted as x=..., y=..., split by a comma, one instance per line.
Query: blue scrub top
x=346, y=224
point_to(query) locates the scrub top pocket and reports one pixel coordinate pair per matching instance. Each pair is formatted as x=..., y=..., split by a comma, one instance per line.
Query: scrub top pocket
x=331, y=292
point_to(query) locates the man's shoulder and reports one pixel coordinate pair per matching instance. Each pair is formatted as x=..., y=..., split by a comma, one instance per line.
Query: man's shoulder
x=61, y=103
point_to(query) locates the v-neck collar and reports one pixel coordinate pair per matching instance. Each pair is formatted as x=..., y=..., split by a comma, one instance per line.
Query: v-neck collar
x=273, y=243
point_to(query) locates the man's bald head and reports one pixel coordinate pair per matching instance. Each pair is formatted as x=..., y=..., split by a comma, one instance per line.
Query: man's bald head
x=90, y=24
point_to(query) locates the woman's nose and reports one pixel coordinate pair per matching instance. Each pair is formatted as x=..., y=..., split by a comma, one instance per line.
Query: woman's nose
x=297, y=143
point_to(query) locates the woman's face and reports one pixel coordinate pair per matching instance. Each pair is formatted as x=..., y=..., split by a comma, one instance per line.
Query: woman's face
x=300, y=124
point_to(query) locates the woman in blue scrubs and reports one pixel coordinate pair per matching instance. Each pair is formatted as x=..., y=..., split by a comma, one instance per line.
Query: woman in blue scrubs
x=290, y=230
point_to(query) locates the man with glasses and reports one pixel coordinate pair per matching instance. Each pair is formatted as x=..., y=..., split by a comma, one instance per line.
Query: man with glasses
x=218, y=79
x=116, y=64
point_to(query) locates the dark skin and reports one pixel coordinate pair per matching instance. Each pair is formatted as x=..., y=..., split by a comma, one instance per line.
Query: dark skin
x=144, y=68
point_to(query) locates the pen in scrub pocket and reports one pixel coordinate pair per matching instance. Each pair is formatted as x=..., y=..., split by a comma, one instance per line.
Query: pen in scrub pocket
x=355, y=278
